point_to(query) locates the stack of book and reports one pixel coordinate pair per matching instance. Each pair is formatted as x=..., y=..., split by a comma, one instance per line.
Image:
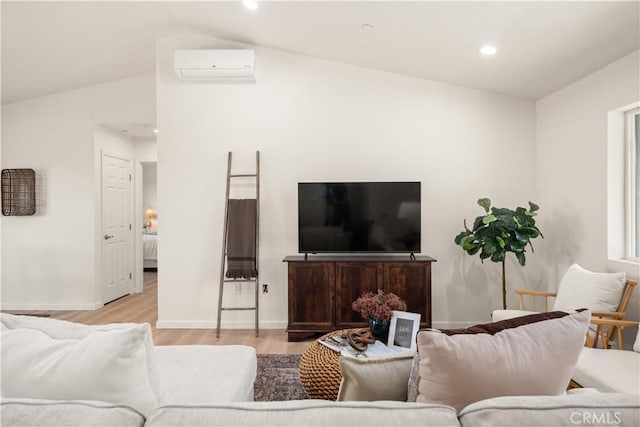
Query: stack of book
x=377, y=349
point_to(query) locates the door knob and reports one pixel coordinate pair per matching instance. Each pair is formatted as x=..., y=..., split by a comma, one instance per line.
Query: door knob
x=107, y=237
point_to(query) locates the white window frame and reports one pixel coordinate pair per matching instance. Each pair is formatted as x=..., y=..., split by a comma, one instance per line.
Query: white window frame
x=618, y=191
x=630, y=184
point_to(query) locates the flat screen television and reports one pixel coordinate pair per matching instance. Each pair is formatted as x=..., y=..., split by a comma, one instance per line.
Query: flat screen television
x=366, y=217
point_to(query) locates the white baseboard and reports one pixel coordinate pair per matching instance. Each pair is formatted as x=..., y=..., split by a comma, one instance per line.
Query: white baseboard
x=210, y=324
x=51, y=307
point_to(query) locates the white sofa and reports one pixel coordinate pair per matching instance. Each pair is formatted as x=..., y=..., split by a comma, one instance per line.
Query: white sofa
x=622, y=410
x=189, y=375
x=49, y=365
x=213, y=386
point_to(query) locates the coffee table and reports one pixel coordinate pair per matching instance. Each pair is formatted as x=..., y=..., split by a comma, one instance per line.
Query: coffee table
x=320, y=369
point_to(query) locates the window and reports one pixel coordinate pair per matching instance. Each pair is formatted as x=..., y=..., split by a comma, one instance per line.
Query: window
x=632, y=202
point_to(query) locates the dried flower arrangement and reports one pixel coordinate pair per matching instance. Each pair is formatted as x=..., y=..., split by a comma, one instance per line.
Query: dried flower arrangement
x=378, y=306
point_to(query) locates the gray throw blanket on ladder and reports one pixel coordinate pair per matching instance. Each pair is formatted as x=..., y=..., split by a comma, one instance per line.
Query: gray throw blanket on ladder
x=241, y=239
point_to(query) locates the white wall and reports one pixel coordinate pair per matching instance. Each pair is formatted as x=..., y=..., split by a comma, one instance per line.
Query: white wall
x=49, y=259
x=313, y=119
x=146, y=149
x=572, y=169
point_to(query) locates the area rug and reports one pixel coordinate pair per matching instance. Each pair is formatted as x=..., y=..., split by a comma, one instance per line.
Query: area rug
x=278, y=378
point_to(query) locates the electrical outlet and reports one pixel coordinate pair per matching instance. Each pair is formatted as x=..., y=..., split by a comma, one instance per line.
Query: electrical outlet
x=265, y=288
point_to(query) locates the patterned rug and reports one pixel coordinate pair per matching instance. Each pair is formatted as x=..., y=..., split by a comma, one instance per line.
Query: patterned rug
x=278, y=378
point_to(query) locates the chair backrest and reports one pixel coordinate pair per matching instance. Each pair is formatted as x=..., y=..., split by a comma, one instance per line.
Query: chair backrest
x=626, y=295
x=606, y=333
x=609, y=333
x=620, y=312
x=598, y=291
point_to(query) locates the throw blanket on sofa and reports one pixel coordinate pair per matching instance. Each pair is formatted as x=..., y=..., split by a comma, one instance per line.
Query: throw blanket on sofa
x=241, y=239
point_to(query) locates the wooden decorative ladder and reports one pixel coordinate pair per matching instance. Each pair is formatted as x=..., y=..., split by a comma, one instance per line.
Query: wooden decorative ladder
x=224, y=261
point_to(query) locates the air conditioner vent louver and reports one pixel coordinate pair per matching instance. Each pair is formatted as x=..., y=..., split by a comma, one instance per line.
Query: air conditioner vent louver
x=216, y=66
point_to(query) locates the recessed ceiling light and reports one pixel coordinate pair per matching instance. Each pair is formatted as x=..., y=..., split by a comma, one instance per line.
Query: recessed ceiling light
x=155, y=131
x=250, y=4
x=367, y=27
x=488, y=50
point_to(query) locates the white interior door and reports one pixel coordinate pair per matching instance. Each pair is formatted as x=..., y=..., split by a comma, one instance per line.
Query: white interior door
x=116, y=227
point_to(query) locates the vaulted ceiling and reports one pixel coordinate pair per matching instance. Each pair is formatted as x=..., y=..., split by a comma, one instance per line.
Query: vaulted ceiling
x=51, y=46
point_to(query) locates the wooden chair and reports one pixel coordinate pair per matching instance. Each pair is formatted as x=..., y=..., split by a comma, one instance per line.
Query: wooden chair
x=619, y=314
x=607, y=328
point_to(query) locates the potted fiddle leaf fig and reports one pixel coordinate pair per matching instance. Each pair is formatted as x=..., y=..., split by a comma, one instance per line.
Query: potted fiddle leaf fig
x=499, y=231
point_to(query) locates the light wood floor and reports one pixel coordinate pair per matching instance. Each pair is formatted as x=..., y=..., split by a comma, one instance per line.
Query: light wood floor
x=143, y=307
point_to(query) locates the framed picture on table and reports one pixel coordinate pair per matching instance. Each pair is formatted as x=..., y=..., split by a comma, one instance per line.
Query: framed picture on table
x=403, y=330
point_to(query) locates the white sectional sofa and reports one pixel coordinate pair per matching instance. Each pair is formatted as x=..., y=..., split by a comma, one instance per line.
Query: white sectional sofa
x=213, y=386
x=64, y=373
x=595, y=408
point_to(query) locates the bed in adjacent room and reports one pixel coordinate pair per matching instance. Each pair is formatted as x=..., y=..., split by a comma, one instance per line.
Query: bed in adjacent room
x=150, y=251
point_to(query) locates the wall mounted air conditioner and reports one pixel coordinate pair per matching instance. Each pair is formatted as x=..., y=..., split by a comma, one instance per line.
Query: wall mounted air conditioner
x=216, y=65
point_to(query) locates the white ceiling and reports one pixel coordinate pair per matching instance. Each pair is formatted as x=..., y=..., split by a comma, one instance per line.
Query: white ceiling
x=138, y=131
x=49, y=47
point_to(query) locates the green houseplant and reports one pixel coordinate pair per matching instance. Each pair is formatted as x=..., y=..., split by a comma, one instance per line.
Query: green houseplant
x=498, y=231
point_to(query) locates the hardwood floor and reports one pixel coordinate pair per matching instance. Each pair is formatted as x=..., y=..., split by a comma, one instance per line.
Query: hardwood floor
x=139, y=308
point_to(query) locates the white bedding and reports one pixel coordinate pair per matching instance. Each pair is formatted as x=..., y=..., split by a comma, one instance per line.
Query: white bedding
x=150, y=250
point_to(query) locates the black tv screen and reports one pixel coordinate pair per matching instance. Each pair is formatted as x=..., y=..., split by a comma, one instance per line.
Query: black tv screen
x=358, y=217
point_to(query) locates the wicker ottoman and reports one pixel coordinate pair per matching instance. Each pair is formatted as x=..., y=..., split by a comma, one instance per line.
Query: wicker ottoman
x=320, y=370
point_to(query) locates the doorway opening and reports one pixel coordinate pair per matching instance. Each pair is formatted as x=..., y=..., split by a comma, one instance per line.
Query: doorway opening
x=150, y=217
x=135, y=145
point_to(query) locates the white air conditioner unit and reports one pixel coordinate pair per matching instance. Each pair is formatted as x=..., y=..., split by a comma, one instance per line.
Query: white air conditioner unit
x=216, y=65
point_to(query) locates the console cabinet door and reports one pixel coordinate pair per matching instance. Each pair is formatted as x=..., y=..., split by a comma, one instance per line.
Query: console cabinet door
x=352, y=280
x=311, y=295
x=412, y=283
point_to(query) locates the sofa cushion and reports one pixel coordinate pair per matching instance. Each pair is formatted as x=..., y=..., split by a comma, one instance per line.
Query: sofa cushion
x=608, y=370
x=55, y=413
x=572, y=409
x=62, y=329
x=305, y=413
x=581, y=288
x=203, y=374
x=109, y=366
x=383, y=378
x=530, y=355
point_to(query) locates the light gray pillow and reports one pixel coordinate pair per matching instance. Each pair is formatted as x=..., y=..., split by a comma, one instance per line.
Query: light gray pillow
x=530, y=355
x=373, y=379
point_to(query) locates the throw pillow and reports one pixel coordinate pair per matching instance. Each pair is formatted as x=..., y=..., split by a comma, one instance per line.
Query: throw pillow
x=581, y=288
x=108, y=366
x=62, y=329
x=382, y=378
x=529, y=355
x=414, y=378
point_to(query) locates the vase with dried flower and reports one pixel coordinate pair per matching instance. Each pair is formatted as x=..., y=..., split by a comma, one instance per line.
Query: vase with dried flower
x=376, y=309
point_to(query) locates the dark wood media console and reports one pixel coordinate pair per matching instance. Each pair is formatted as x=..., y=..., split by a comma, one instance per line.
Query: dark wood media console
x=322, y=288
